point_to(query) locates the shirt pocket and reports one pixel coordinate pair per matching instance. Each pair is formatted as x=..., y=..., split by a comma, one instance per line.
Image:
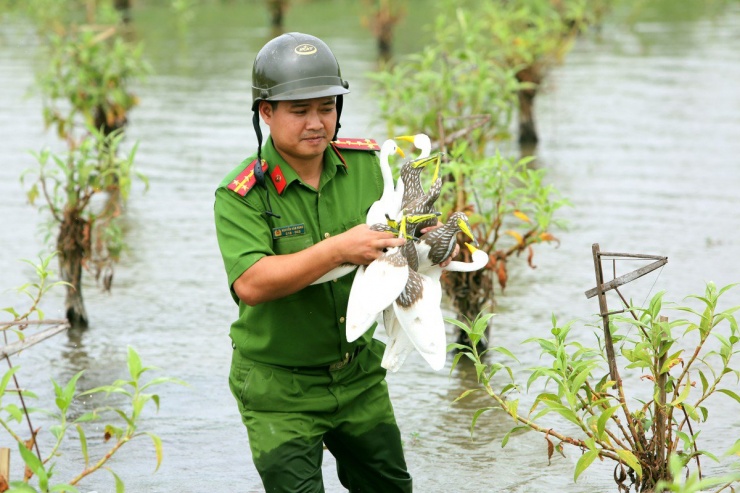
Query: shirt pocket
x=292, y=244
x=347, y=225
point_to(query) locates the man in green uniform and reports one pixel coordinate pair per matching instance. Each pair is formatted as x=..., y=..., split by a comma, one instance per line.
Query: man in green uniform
x=285, y=217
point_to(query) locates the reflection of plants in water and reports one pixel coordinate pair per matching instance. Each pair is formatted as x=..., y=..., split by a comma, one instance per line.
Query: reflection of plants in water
x=652, y=439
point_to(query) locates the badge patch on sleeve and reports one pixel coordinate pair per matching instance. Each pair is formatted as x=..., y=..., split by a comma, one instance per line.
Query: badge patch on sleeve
x=287, y=231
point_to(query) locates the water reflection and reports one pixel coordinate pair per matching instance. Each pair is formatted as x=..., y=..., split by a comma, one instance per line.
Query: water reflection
x=632, y=130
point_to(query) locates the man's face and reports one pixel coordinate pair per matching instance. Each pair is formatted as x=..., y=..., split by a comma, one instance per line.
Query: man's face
x=301, y=129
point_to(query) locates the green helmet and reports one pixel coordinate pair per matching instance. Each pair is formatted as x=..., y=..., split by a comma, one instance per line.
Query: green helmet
x=295, y=66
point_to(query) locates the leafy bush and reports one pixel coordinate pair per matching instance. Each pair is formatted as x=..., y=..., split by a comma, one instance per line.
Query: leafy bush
x=683, y=362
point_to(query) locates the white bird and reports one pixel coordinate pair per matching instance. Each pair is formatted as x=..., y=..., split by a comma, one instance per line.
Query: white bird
x=421, y=142
x=335, y=273
x=398, y=345
x=388, y=203
x=344, y=269
x=375, y=287
x=421, y=324
x=479, y=259
x=419, y=312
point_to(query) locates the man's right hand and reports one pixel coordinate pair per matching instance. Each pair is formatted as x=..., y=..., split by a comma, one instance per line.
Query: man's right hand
x=361, y=245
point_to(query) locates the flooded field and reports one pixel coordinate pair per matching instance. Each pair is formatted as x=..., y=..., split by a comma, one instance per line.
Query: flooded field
x=639, y=129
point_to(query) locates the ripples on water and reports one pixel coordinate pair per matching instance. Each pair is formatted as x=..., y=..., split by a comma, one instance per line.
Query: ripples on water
x=639, y=133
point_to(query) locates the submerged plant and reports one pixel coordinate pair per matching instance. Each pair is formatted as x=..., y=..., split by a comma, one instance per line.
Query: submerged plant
x=86, y=230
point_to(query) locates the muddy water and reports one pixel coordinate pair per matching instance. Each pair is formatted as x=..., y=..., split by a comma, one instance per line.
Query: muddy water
x=639, y=129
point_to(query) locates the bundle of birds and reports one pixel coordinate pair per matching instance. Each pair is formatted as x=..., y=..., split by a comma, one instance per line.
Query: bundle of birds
x=401, y=289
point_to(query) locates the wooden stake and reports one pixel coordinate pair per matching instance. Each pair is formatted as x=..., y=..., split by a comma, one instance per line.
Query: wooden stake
x=660, y=412
x=4, y=465
x=604, y=311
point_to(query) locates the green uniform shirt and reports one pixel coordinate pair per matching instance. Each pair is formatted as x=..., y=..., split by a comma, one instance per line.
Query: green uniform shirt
x=306, y=328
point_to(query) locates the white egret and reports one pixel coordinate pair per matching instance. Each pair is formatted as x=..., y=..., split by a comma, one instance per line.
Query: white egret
x=387, y=203
x=418, y=313
x=375, y=287
x=344, y=269
x=421, y=142
x=335, y=273
x=398, y=345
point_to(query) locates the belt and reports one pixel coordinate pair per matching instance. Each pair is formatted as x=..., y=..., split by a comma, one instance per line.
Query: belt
x=348, y=357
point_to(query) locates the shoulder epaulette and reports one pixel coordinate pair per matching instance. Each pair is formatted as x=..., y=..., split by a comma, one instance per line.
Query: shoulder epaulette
x=245, y=180
x=356, y=144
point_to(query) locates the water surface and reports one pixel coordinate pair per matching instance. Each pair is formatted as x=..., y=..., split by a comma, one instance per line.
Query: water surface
x=639, y=129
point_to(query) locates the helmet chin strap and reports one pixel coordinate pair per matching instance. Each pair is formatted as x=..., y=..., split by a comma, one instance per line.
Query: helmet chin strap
x=340, y=103
x=258, y=131
x=259, y=173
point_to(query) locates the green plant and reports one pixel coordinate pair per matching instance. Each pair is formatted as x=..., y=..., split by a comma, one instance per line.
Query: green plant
x=35, y=291
x=122, y=427
x=450, y=86
x=87, y=234
x=88, y=81
x=123, y=417
x=86, y=93
x=683, y=362
x=511, y=210
x=462, y=93
x=693, y=483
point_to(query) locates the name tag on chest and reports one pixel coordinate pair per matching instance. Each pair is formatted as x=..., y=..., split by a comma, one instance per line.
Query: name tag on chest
x=288, y=231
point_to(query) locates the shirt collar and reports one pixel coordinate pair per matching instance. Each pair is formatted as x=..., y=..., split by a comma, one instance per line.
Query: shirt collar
x=333, y=164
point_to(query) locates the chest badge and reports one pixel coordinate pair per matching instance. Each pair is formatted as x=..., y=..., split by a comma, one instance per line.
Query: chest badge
x=287, y=231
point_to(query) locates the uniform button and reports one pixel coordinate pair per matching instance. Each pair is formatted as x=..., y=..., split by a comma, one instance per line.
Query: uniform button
x=341, y=320
x=326, y=235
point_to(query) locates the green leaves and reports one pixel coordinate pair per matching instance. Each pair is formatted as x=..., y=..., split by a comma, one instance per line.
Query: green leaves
x=628, y=457
x=584, y=461
x=122, y=424
x=579, y=404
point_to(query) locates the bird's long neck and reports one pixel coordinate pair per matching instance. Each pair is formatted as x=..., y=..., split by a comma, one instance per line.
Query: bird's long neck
x=385, y=171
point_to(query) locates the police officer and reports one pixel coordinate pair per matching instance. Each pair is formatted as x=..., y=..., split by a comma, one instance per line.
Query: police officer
x=284, y=217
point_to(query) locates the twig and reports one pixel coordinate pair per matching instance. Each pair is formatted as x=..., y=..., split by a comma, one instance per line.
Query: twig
x=35, y=322
x=16, y=347
x=482, y=120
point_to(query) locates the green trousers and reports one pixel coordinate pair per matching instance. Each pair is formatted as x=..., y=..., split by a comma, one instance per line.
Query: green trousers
x=291, y=413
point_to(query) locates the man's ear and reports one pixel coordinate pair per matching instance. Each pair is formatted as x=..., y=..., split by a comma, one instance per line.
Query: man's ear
x=265, y=109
